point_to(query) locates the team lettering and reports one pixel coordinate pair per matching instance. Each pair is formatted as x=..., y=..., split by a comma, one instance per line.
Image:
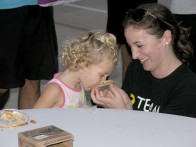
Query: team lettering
x=147, y=105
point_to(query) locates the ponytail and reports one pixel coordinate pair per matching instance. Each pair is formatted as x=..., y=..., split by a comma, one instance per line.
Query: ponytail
x=181, y=44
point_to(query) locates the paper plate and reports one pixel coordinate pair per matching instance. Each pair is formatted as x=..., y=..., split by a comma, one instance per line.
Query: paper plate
x=12, y=118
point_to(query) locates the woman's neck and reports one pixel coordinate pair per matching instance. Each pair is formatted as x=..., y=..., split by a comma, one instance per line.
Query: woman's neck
x=167, y=67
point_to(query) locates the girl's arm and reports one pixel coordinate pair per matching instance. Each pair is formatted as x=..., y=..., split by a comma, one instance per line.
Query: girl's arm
x=49, y=97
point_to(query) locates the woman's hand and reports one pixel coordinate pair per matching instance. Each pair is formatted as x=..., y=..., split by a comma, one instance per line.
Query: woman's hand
x=116, y=98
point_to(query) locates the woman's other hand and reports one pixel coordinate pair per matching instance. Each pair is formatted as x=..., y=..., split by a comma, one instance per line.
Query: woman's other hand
x=114, y=98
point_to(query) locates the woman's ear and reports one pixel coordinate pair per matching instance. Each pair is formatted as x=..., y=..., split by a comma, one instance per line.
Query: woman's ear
x=167, y=37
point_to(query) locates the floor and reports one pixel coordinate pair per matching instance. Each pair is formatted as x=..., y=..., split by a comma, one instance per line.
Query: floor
x=72, y=19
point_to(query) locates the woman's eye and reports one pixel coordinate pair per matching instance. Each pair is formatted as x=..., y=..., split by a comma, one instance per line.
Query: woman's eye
x=139, y=46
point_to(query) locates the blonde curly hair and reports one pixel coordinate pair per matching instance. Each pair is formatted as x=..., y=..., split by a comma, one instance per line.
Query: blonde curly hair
x=91, y=48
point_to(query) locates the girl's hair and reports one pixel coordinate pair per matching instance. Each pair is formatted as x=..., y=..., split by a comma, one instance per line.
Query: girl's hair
x=91, y=48
x=156, y=20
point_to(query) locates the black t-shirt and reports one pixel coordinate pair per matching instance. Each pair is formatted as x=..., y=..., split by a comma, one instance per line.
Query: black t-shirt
x=174, y=94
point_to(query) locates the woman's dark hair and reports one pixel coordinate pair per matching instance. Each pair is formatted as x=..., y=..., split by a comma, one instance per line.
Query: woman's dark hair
x=156, y=19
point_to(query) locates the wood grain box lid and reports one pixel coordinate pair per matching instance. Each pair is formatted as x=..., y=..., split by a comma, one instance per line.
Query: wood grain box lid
x=49, y=136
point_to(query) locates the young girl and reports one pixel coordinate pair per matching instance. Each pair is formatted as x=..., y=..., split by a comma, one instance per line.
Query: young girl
x=89, y=60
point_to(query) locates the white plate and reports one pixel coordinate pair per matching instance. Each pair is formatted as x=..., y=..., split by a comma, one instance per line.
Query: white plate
x=22, y=116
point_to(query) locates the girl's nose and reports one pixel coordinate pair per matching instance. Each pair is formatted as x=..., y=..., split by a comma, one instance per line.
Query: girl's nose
x=104, y=78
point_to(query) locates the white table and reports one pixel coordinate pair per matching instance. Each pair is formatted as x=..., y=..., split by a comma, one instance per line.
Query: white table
x=111, y=128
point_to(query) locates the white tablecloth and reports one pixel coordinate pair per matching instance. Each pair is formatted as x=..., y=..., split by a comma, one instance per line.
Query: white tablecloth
x=111, y=128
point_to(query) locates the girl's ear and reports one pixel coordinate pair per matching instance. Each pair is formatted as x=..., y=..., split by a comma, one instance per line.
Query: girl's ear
x=82, y=67
x=167, y=36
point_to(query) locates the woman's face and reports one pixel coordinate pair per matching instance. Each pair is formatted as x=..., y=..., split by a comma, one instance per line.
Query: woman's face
x=148, y=49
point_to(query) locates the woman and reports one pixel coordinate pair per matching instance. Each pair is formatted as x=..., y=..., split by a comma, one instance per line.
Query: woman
x=158, y=80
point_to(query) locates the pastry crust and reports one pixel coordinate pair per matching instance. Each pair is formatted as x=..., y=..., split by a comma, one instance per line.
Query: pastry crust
x=104, y=83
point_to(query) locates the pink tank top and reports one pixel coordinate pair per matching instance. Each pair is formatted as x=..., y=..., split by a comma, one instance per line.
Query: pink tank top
x=72, y=98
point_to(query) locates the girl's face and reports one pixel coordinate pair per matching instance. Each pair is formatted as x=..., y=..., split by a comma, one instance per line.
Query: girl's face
x=96, y=73
x=148, y=49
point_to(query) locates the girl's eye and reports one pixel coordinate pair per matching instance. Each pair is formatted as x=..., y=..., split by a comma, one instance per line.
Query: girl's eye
x=104, y=75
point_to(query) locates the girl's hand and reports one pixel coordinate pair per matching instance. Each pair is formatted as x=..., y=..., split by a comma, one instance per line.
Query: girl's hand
x=116, y=98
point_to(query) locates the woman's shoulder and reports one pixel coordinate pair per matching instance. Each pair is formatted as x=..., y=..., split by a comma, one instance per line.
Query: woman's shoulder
x=186, y=72
x=185, y=76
